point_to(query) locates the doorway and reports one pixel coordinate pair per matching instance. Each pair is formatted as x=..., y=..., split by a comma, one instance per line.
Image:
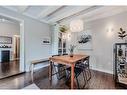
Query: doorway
x=16, y=47
x=11, y=46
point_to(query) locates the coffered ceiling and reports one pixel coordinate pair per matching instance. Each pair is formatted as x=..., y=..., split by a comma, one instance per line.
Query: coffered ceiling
x=53, y=14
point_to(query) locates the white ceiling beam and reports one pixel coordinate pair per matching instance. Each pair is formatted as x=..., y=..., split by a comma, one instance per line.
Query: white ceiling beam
x=67, y=13
x=61, y=14
x=85, y=14
x=105, y=13
x=99, y=13
x=33, y=17
x=22, y=9
x=48, y=10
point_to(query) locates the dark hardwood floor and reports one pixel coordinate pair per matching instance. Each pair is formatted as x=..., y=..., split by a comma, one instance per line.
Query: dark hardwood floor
x=99, y=80
x=9, y=68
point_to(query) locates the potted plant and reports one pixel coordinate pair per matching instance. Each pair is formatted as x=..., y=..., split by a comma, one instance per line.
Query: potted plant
x=71, y=50
x=122, y=34
x=63, y=28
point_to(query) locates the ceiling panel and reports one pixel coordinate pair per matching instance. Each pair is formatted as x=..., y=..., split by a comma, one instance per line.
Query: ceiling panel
x=8, y=20
x=22, y=9
x=52, y=14
x=13, y=8
x=65, y=12
x=103, y=12
x=17, y=8
x=35, y=10
x=49, y=10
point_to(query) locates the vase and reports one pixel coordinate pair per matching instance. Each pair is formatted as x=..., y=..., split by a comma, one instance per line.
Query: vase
x=71, y=54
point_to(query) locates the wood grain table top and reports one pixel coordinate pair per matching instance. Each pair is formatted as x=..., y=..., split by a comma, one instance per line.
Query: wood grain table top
x=66, y=59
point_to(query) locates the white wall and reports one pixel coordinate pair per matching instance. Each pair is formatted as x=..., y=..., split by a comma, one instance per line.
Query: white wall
x=34, y=48
x=104, y=35
x=9, y=29
x=34, y=31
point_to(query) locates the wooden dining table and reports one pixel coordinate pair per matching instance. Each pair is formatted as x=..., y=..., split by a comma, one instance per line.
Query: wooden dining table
x=67, y=60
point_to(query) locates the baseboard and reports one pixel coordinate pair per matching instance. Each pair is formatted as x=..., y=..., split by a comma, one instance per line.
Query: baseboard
x=96, y=69
x=12, y=75
x=41, y=67
x=100, y=70
x=38, y=67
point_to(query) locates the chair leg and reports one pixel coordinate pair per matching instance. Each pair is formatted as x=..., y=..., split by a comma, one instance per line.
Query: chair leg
x=88, y=70
x=85, y=80
x=57, y=73
x=77, y=81
x=89, y=74
x=69, y=76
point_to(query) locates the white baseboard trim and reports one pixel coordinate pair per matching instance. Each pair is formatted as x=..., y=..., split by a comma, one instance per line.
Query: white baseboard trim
x=38, y=67
x=41, y=66
x=105, y=71
x=96, y=69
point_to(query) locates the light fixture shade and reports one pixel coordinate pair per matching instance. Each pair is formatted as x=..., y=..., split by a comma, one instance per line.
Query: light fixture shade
x=76, y=25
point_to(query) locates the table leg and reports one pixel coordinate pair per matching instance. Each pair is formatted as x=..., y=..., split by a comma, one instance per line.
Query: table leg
x=50, y=71
x=72, y=76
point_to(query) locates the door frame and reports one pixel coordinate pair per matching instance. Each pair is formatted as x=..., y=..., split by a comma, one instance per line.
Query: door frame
x=22, y=41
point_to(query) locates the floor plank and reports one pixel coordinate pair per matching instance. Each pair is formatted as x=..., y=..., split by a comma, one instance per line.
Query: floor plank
x=99, y=80
x=9, y=68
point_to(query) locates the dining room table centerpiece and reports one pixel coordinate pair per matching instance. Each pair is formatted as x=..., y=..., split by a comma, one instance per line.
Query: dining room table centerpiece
x=71, y=50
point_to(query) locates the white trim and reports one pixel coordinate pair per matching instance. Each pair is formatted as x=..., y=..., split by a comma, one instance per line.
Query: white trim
x=105, y=71
x=22, y=41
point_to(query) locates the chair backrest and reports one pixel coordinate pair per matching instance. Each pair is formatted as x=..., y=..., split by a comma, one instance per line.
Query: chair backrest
x=60, y=69
x=57, y=65
x=83, y=63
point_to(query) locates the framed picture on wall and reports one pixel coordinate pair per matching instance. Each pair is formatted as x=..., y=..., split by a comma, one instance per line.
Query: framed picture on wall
x=5, y=40
x=84, y=40
x=46, y=40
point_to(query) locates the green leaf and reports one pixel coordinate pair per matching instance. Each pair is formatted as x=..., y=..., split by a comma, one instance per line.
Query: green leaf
x=63, y=28
x=119, y=33
x=121, y=29
x=123, y=32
